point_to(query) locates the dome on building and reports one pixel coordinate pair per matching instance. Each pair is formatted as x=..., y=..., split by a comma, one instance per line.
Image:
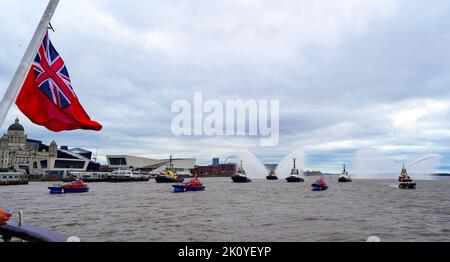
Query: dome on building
x=16, y=126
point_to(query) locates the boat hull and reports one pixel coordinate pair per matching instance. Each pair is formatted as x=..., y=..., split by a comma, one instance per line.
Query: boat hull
x=61, y=190
x=344, y=180
x=241, y=179
x=294, y=179
x=316, y=187
x=165, y=179
x=13, y=183
x=118, y=179
x=271, y=177
x=407, y=185
x=183, y=188
x=55, y=190
x=76, y=190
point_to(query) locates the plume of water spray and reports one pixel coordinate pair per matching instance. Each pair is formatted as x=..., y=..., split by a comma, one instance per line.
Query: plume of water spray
x=229, y=159
x=252, y=166
x=284, y=167
x=369, y=164
x=423, y=167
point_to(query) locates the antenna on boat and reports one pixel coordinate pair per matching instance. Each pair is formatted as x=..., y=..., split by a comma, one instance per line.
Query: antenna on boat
x=95, y=156
x=344, y=168
x=294, y=162
x=170, y=163
x=20, y=218
x=120, y=164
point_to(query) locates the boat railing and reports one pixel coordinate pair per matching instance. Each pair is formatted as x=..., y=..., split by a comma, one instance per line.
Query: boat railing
x=32, y=233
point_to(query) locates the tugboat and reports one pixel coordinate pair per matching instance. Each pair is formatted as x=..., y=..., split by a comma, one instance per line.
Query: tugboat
x=240, y=176
x=193, y=185
x=405, y=180
x=169, y=175
x=295, y=176
x=319, y=185
x=77, y=186
x=272, y=175
x=344, y=176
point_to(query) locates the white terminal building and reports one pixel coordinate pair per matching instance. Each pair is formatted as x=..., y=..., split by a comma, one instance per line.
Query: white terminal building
x=182, y=166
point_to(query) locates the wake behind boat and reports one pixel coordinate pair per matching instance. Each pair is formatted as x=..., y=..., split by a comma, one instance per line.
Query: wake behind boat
x=295, y=175
x=241, y=176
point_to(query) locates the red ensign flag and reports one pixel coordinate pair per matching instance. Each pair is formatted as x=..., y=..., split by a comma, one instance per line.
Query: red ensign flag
x=47, y=97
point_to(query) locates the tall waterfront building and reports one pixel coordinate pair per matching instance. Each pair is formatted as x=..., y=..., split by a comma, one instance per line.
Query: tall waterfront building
x=16, y=151
x=216, y=169
x=33, y=157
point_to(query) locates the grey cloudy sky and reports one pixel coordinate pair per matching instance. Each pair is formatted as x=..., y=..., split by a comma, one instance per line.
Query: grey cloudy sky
x=349, y=74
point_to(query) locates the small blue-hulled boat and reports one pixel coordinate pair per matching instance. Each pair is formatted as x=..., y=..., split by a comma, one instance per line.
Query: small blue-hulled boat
x=76, y=186
x=183, y=188
x=319, y=185
x=193, y=185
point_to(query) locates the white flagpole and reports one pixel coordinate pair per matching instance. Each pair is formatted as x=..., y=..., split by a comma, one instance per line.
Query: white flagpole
x=22, y=71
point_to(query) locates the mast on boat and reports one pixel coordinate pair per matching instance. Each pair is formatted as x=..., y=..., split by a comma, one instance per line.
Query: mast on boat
x=19, y=76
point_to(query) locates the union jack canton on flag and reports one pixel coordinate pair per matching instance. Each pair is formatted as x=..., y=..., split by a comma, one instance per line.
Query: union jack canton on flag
x=51, y=75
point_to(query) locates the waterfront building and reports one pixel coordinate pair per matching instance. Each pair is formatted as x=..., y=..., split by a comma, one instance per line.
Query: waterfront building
x=216, y=169
x=58, y=161
x=182, y=166
x=17, y=152
x=312, y=173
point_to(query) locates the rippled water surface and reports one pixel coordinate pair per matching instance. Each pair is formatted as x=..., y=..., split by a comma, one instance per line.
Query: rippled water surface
x=226, y=211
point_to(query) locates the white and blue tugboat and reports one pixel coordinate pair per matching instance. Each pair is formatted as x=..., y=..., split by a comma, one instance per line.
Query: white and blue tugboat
x=344, y=177
x=241, y=176
x=295, y=176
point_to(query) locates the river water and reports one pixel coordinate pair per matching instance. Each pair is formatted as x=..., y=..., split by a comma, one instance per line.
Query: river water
x=257, y=211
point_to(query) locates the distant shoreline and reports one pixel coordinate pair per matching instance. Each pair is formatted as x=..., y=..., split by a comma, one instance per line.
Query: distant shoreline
x=441, y=174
